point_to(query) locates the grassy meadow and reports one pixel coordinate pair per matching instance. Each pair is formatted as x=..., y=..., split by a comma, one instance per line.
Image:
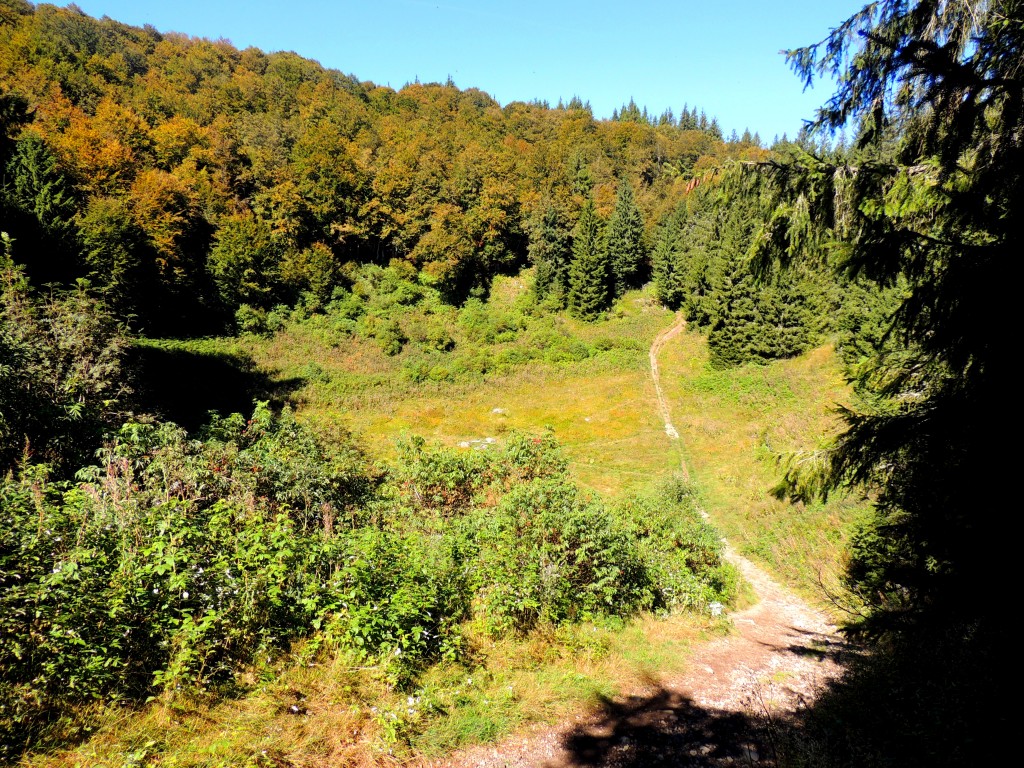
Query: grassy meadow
x=599, y=401
x=733, y=423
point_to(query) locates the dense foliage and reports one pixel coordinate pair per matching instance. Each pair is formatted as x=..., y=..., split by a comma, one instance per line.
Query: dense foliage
x=175, y=563
x=924, y=207
x=187, y=178
x=61, y=373
x=701, y=266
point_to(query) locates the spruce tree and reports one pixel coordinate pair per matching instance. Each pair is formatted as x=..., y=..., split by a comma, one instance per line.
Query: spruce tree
x=550, y=250
x=933, y=196
x=666, y=260
x=760, y=322
x=589, y=275
x=41, y=210
x=625, y=242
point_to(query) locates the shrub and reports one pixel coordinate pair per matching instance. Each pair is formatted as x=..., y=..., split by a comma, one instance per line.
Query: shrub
x=682, y=553
x=61, y=373
x=440, y=479
x=401, y=598
x=173, y=562
x=548, y=555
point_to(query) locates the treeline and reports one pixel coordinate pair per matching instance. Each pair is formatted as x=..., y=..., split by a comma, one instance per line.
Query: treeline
x=185, y=178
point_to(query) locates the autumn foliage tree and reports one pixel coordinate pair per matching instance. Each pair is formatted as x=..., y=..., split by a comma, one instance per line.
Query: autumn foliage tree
x=142, y=146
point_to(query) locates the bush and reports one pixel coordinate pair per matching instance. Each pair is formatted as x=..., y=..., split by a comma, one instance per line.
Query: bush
x=61, y=374
x=682, y=552
x=400, y=598
x=548, y=555
x=173, y=563
x=443, y=480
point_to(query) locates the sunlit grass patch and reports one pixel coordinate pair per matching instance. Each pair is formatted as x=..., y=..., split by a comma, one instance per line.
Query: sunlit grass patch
x=733, y=424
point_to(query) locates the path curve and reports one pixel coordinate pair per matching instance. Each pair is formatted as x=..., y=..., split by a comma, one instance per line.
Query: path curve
x=780, y=653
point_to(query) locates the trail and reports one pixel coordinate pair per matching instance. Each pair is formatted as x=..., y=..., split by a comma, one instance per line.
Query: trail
x=779, y=654
x=663, y=410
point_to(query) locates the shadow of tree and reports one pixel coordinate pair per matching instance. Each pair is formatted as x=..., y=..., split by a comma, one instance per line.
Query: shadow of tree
x=932, y=697
x=183, y=386
x=667, y=728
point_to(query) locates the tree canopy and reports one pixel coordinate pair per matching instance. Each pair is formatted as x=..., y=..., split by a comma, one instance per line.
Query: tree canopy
x=929, y=197
x=142, y=160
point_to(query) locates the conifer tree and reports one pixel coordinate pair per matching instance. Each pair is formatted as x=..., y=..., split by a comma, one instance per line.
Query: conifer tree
x=589, y=275
x=625, y=242
x=932, y=196
x=550, y=250
x=761, y=322
x=43, y=204
x=666, y=260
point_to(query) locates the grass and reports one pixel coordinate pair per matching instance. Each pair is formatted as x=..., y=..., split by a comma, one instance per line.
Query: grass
x=334, y=713
x=602, y=409
x=733, y=424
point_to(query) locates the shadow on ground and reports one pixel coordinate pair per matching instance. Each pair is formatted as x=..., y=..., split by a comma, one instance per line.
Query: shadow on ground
x=183, y=386
x=666, y=728
x=932, y=697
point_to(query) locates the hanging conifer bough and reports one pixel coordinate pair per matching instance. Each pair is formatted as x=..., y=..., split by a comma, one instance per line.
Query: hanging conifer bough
x=930, y=196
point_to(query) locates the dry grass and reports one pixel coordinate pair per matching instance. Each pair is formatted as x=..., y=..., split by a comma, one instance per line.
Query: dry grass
x=602, y=409
x=334, y=714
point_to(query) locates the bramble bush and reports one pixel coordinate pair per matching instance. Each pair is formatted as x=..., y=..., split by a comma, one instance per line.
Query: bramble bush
x=682, y=553
x=549, y=555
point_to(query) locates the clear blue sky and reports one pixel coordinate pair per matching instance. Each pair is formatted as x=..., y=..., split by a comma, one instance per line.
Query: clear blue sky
x=722, y=55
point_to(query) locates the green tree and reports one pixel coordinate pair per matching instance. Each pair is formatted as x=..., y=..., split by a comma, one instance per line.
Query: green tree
x=44, y=206
x=666, y=259
x=118, y=258
x=932, y=195
x=550, y=251
x=245, y=262
x=589, y=275
x=627, y=253
x=759, y=322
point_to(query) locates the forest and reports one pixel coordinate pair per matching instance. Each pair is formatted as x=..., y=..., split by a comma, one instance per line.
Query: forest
x=173, y=207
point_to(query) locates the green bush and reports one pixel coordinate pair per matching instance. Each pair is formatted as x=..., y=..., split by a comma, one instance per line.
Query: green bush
x=443, y=480
x=62, y=377
x=178, y=561
x=172, y=563
x=682, y=553
x=399, y=597
x=548, y=555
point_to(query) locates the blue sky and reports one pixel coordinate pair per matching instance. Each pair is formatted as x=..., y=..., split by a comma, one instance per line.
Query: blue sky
x=721, y=55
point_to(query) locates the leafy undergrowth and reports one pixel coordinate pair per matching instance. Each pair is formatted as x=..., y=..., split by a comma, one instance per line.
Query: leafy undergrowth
x=215, y=574
x=338, y=711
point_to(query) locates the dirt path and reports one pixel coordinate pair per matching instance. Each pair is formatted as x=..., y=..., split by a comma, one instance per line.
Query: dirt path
x=663, y=410
x=716, y=713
